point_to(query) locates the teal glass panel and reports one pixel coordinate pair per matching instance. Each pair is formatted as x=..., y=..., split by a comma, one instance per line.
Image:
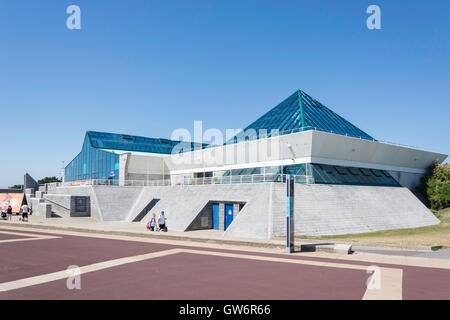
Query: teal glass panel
x=104, y=140
x=299, y=112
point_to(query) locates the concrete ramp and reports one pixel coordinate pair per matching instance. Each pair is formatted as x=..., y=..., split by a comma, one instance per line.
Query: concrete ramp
x=319, y=209
x=337, y=209
x=255, y=219
x=108, y=203
x=182, y=204
x=115, y=202
x=144, y=198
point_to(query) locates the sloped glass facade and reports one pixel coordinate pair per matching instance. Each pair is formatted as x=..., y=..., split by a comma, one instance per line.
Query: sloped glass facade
x=300, y=112
x=92, y=163
x=327, y=174
x=126, y=142
x=322, y=174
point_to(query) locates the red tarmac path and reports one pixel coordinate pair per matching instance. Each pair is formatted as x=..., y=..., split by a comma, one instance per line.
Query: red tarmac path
x=207, y=273
x=4, y=236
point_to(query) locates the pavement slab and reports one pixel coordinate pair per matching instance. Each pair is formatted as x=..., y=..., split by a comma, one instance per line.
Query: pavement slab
x=121, y=267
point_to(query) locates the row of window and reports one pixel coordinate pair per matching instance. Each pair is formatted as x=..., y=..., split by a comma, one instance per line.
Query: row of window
x=322, y=174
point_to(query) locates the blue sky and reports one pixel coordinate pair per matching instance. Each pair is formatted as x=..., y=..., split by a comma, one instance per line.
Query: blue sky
x=149, y=67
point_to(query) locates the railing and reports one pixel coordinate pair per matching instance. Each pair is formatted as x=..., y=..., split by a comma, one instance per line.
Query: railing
x=146, y=183
x=88, y=182
x=244, y=179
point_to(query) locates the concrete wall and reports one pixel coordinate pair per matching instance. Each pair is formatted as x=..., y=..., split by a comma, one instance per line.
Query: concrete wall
x=142, y=167
x=255, y=219
x=333, y=210
x=30, y=183
x=29, y=194
x=204, y=220
x=319, y=209
x=182, y=204
x=34, y=205
x=42, y=209
x=61, y=203
x=270, y=151
x=348, y=151
x=307, y=147
x=79, y=191
x=115, y=202
x=123, y=168
x=406, y=179
x=108, y=203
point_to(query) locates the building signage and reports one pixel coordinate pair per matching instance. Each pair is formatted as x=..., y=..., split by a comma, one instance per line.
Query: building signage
x=81, y=204
x=290, y=214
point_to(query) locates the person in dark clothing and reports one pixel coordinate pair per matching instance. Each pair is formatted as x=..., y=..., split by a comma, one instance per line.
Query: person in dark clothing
x=9, y=212
x=162, y=222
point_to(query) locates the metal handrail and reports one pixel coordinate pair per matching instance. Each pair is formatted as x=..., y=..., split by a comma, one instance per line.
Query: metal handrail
x=239, y=179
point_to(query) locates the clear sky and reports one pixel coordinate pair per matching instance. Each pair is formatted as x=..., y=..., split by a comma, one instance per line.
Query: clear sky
x=148, y=67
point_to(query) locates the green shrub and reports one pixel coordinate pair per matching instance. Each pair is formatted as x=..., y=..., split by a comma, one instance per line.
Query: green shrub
x=48, y=180
x=436, y=186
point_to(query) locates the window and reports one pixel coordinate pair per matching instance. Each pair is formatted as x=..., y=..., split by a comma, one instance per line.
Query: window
x=376, y=173
x=341, y=170
x=365, y=172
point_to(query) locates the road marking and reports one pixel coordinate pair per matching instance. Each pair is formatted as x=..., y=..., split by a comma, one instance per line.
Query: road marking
x=369, y=258
x=29, y=237
x=32, y=281
x=391, y=279
x=390, y=285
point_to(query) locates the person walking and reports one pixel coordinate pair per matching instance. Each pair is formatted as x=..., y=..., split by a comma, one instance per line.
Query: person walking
x=9, y=212
x=25, y=209
x=152, y=223
x=162, y=222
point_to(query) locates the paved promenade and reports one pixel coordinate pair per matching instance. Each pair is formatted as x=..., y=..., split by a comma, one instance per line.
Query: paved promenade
x=211, y=236
x=34, y=265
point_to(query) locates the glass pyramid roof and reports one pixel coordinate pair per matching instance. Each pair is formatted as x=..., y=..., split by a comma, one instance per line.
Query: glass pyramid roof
x=300, y=112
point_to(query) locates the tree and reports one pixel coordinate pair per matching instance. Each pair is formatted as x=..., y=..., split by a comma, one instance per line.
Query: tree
x=49, y=180
x=435, y=186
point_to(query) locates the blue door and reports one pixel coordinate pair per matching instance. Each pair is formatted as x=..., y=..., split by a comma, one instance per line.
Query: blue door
x=215, y=208
x=228, y=215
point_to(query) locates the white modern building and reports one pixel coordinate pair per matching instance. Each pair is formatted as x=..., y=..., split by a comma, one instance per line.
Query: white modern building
x=347, y=181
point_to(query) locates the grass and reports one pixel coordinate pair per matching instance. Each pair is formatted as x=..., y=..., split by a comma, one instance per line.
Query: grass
x=437, y=235
x=442, y=214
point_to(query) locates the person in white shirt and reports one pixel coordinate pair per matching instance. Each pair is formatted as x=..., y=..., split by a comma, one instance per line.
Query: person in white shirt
x=162, y=221
x=25, y=209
